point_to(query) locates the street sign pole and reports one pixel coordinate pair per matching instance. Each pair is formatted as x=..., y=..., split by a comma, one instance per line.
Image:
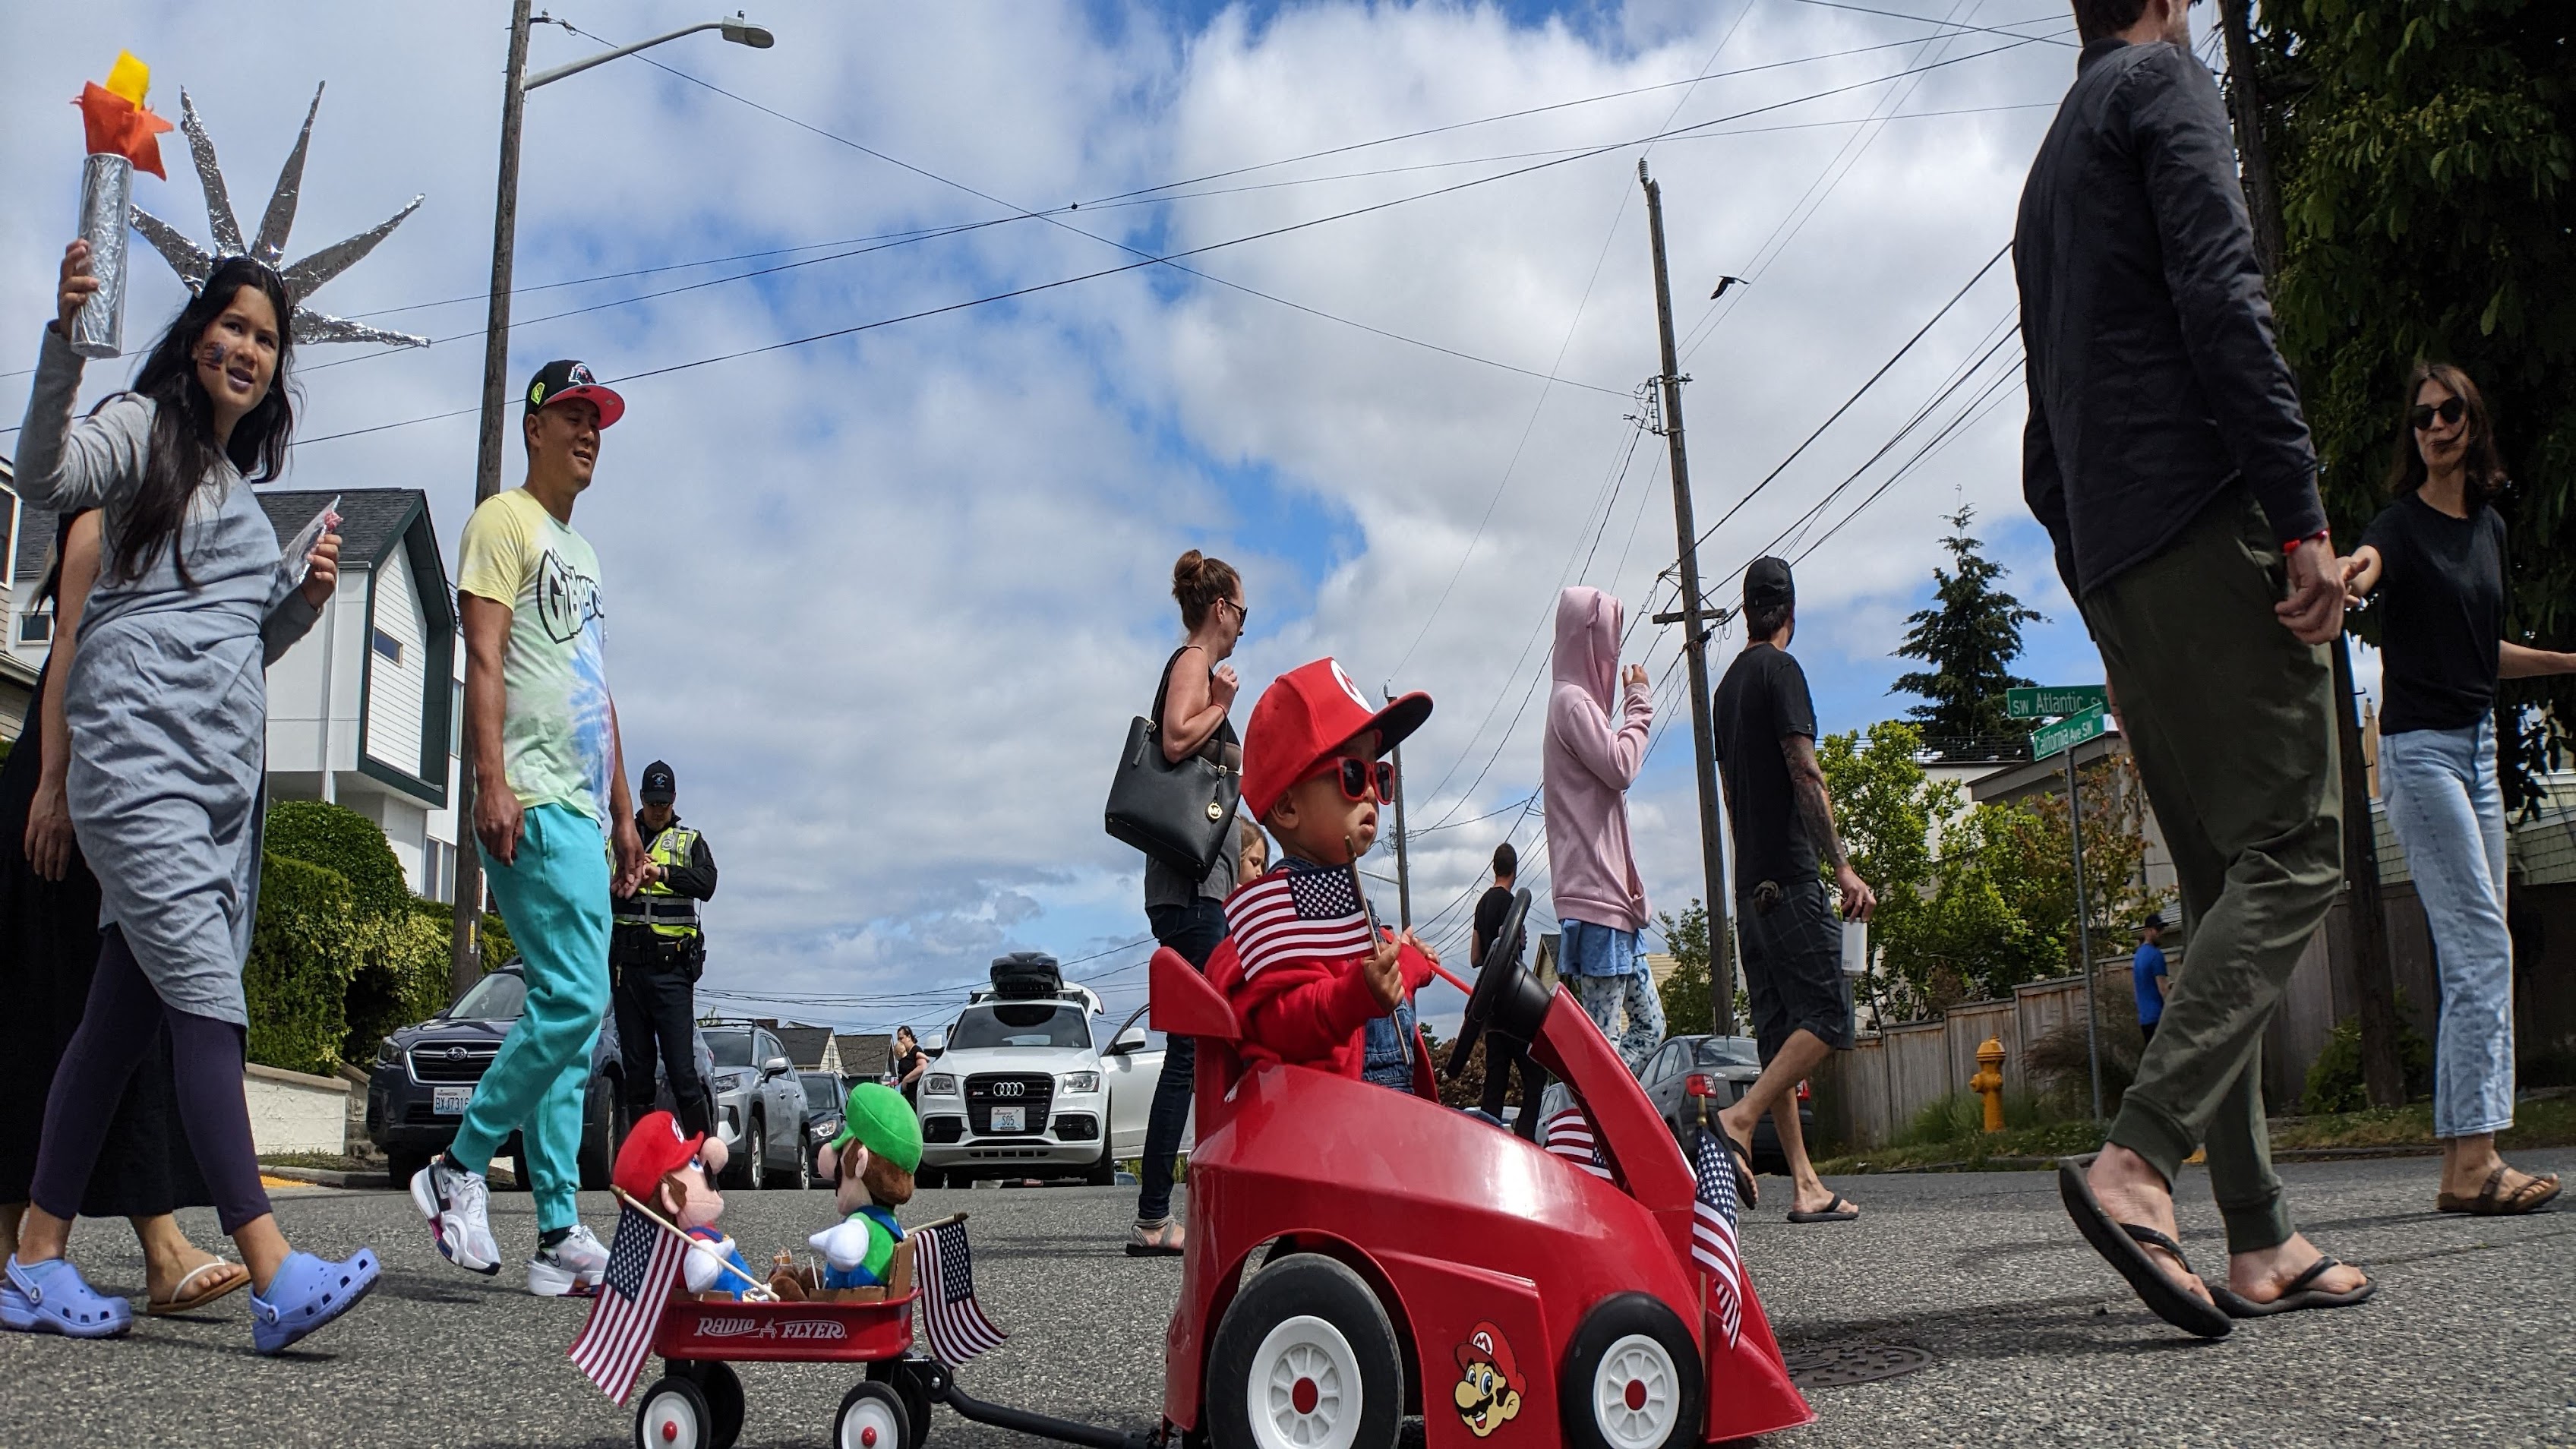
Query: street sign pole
x=2083, y=933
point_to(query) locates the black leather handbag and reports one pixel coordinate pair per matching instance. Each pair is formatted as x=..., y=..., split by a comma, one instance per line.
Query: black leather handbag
x=1180, y=814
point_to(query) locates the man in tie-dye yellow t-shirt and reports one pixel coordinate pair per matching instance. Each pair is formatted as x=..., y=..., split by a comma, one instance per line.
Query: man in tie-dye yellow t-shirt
x=550, y=803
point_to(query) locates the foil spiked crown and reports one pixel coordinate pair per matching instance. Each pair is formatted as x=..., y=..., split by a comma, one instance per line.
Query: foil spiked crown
x=194, y=263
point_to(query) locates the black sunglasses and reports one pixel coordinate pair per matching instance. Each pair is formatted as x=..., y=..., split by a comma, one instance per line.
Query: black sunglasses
x=2450, y=411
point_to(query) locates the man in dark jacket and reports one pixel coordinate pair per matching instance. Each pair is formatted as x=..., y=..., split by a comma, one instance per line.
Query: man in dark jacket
x=2168, y=459
x=659, y=949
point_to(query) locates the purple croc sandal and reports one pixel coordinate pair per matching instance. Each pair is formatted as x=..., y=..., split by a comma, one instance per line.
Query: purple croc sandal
x=306, y=1294
x=52, y=1297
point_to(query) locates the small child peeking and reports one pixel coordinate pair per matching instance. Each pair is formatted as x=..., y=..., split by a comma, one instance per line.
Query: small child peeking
x=1304, y=965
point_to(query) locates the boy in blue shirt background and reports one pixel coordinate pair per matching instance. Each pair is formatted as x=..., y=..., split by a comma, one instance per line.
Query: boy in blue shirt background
x=2146, y=971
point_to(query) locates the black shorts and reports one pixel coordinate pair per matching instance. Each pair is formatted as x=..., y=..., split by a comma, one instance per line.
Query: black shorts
x=1793, y=967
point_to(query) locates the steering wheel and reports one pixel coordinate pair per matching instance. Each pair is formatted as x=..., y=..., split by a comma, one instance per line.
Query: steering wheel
x=1500, y=979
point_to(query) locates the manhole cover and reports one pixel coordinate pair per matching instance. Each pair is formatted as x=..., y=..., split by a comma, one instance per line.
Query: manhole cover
x=1833, y=1365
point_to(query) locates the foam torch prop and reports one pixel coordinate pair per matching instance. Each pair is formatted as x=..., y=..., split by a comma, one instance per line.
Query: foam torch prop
x=121, y=138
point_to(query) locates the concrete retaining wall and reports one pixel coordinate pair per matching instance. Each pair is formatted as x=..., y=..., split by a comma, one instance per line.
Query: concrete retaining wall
x=294, y=1112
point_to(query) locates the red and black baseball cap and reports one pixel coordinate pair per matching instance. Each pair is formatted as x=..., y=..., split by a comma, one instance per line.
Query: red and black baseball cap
x=563, y=379
x=655, y=1148
x=1309, y=713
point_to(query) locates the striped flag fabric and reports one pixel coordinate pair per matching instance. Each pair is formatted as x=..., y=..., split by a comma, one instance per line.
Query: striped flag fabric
x=1569, y=1135
x=1713, y=1242
x=643, y=1263
x=950, y=1317
x=1298, y=912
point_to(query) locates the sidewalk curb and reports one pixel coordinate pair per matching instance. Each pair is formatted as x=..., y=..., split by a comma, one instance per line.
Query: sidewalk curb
x=326, y=1177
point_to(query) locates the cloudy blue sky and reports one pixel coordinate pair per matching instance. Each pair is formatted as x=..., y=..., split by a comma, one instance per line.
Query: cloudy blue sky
x=887, y=597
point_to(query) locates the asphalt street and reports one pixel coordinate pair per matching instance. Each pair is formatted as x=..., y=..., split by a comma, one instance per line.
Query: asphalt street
x=2472, y=1339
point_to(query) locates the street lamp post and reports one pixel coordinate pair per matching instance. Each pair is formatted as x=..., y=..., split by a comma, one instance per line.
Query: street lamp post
x=464, y=945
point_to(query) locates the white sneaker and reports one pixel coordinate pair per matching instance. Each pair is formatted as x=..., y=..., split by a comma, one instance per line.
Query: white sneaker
x=455, y=1202
x=573, y=1267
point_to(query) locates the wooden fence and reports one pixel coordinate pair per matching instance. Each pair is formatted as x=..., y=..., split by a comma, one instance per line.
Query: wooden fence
x=1866, y=1097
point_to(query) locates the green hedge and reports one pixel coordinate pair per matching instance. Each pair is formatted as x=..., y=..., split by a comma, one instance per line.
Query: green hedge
x=338, y=838
x=304, y=952
x=497, y=945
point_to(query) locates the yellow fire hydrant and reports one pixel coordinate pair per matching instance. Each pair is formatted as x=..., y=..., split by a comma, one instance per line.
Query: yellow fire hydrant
x=1989, y=1082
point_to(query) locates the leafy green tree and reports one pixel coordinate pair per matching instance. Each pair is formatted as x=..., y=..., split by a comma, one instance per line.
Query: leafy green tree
x=1886, y=810
x=1970, y=637
x=1685, y=993
x=2426, y=160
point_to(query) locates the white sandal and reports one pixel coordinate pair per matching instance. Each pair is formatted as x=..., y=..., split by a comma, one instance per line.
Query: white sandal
x=180, y=1302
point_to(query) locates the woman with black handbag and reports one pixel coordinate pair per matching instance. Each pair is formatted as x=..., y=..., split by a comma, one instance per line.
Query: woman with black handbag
x=1195, y=695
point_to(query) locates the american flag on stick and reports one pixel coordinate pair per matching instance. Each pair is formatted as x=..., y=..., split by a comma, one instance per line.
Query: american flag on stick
x=1713, y=1244
x=1569, y=1136
x=643, y=1263
x=950, y=1317
x=1298, y=912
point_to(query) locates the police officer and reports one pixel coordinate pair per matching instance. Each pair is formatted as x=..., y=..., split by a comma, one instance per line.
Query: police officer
x=659, y=951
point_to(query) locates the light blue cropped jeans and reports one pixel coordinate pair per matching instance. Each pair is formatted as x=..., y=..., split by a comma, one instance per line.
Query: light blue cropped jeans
x=2448, y=813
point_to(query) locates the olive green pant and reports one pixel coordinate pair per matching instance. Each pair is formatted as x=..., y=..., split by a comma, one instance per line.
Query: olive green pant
x=2231, y=722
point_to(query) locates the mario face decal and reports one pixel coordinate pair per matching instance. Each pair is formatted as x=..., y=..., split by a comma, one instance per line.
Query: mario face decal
x=1489, y=1385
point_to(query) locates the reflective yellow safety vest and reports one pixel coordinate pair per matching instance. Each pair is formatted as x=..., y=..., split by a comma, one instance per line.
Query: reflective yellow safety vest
x=668, y=912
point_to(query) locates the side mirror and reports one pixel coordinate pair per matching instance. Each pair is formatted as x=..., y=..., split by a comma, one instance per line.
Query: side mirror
x=1130, y=1041
x=776, y=1067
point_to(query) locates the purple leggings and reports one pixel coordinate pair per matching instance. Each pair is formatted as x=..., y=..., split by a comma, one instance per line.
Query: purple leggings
x=115, y=1032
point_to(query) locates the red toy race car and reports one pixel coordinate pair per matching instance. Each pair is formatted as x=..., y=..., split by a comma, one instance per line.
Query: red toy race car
x=1416, y=1259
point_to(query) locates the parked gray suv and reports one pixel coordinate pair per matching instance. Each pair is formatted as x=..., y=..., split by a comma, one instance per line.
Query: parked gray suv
x=759, y=1106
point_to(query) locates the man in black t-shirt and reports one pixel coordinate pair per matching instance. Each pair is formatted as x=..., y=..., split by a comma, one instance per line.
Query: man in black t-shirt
x=1783, y=824
x=1503, y=1054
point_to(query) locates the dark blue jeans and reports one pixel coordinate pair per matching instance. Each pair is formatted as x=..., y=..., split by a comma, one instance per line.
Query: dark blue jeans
x=1193, y=930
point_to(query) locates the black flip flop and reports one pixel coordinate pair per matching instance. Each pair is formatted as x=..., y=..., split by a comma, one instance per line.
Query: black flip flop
x=2120, y=1246
x=1742, y=1162
x=2294, y=1296
x=1838, y=1211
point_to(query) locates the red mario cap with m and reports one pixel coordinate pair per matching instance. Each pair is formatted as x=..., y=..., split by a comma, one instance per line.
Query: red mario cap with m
x=1306, y=714
x=655, y=1149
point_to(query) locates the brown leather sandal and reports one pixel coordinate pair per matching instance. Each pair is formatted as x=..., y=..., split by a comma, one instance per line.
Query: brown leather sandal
x=2535, y=1193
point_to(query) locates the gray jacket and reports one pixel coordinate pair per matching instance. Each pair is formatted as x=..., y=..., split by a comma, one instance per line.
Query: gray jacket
x=2155, y=384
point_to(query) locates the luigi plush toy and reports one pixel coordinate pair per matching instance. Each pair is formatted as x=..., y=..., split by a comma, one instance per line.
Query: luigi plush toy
x=873, y=1159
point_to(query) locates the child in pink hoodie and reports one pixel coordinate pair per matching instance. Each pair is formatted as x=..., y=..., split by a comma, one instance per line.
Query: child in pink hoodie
x=1589, y=759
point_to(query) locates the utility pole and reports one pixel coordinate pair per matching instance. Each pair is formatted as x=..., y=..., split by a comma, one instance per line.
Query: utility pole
x=1403, y=858
x=1696, y=619
x=2383, y=1077
x=465, y=947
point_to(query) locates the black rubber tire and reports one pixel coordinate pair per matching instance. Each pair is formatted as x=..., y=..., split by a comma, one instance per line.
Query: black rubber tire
x=1249, y=1357
x=1612, y=1323
x=750, y=1166
x=402, y=1167
x=598, y=1136
x=1103, y=1173
x=905, y=1379
x=724, y=1403
x=802, y=1180
x=521, y=1180
x=881, y=1396
x=690, y=1408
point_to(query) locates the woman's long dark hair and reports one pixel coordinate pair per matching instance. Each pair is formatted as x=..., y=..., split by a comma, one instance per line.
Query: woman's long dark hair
x=183, y=425
x=2481, y=463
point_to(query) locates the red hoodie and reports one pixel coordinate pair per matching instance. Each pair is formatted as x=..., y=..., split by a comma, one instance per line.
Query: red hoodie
x=1302, y=997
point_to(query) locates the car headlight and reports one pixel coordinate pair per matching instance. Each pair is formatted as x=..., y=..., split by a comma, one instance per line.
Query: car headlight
x=939, y=1084
x=1082, y=1081
x=387, y=1054
x=822, y=1131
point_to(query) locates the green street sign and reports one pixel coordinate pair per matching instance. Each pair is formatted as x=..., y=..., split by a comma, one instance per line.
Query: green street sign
x=2050, y=740
x=2053, y=699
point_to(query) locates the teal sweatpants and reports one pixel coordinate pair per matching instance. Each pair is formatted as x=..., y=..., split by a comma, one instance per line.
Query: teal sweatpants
x=555, y=902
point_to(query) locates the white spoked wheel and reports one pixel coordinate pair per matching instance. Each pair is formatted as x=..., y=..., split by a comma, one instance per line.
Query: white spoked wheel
x=673, y=1416
x=1305, y=1387
x=1637, y=1394
x=871, y=1418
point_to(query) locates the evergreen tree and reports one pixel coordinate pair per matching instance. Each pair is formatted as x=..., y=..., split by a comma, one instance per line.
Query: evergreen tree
x=1970, y=637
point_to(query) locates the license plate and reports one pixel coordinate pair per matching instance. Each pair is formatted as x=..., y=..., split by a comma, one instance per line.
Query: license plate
x=1010, y=1119
x=450, y=1101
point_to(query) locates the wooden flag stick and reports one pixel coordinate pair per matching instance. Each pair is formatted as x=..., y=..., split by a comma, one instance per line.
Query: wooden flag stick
x=696, y=1245
x=1352, y=845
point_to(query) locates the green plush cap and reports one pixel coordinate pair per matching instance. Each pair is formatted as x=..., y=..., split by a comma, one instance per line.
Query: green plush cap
x=880, y=1120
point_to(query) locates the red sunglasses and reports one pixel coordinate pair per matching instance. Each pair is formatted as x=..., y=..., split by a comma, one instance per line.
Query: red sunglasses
x=1358, y=776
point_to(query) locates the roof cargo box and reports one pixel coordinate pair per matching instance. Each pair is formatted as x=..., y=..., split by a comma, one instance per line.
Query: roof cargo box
x=1027, y=976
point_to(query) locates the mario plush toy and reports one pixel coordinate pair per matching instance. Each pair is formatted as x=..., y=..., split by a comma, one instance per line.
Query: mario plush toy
x=873, y=1159
x=1304, y=965
x=668, y=1172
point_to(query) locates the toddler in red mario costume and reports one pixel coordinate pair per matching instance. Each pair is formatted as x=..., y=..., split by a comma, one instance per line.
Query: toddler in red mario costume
x=1303, y=964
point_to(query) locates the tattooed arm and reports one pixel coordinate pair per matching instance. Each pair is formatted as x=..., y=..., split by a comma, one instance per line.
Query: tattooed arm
x=1816, y=816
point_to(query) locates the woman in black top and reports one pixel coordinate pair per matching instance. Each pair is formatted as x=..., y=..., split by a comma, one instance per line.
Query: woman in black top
x=1188, y=915
x=908, y=1064
x=2436, y=558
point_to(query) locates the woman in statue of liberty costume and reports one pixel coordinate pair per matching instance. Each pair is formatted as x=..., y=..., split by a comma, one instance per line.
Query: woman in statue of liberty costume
x=167, y=703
